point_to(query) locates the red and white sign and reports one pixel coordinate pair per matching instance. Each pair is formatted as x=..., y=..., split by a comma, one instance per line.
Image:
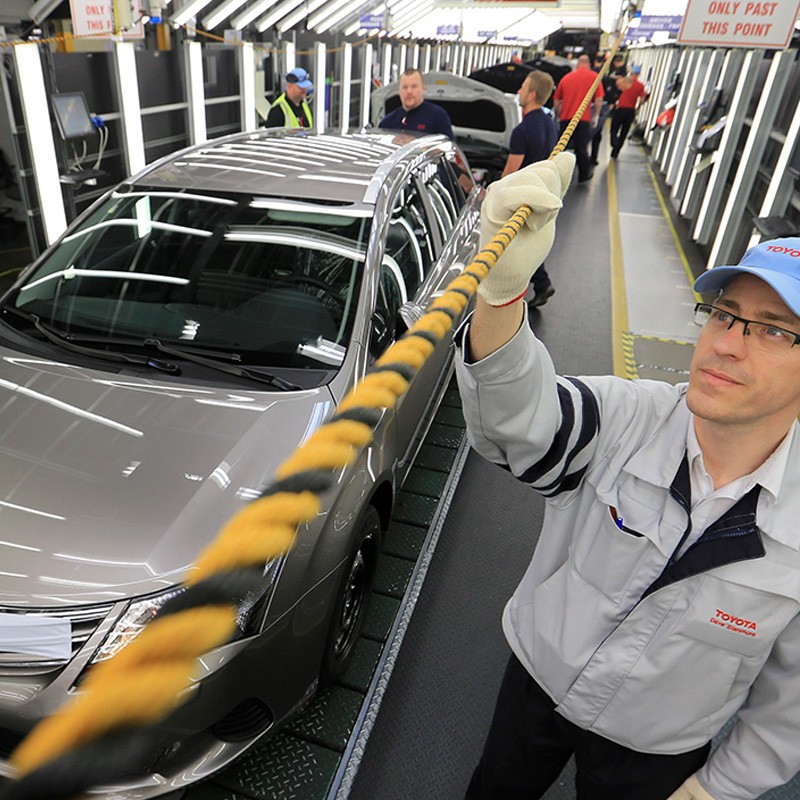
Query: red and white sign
x=739, y=23
x=96, y=18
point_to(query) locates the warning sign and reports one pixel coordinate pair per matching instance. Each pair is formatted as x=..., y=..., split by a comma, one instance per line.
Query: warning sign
x=96, y=18
x=739, y=23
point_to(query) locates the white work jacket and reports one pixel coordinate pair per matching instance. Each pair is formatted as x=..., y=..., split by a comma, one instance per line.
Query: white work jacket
x=652, y=652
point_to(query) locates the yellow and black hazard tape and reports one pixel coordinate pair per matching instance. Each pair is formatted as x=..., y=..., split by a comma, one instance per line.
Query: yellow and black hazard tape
x=100, y=735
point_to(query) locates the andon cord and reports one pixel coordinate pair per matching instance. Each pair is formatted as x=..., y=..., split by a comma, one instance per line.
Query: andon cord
x=102, y=733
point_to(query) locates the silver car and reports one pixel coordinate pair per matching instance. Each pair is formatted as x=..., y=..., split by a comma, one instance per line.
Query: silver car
x=158, y=363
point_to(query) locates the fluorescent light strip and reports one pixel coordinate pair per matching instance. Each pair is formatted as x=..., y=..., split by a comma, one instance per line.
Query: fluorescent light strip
x=186, y=12
x=330, y=9
x=279, y=12
x=287, y=205
x=178, y=195
x=75, y=410
x=339, y=15
x=420, y=9
x=406, y=7
x=247, y=87
x=249, y=14
x=128, y=87
x=39, y=130
x=319, y=95
x=293, y=240
x=197, y=101
x=70, y=272
x=222, y=12
x=366, y=84
x=347, y=77
x=113, y=223
x=301, y=13
x=289, y=54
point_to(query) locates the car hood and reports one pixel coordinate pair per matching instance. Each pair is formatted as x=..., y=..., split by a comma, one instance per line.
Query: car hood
x=112, y=485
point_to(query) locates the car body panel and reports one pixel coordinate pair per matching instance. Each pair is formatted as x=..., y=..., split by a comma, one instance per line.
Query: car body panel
x=119, y=474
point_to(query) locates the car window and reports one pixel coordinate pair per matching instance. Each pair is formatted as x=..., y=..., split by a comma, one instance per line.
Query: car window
x=441, y=201
x=456, y=179
x=408, y=237
x=212, y=272
x=392, y=293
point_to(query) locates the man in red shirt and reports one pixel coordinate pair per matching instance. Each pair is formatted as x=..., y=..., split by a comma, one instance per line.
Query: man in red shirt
x=571, y=90
x=632, y=95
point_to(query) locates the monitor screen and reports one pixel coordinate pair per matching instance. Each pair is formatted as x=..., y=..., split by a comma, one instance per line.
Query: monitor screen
x=72, y=115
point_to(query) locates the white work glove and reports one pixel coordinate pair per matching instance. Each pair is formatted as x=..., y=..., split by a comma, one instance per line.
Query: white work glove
x=541, y=186
x=690, y=789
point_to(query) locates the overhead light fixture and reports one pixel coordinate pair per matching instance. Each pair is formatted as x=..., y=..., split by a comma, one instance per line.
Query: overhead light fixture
x=40, y=138
x=412, y=16
x=249, y=14
x=295, y=17
x=279, y=12
x=405, y=9
x=338, y=17
x=189, y=10
x=222, y=12
x=330, y=9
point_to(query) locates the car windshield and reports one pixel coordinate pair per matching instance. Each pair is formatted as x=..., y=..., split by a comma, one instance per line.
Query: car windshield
x=274, y=281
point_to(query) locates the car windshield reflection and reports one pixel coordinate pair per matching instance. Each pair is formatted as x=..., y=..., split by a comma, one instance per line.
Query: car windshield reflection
x=276, y=285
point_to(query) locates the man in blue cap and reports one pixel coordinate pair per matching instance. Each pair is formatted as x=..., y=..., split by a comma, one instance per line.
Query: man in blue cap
x=290, y=109
x=663, y=596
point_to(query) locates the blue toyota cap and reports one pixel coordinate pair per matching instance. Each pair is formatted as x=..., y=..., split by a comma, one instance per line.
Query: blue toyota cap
x=777, y=262
x=299, y=76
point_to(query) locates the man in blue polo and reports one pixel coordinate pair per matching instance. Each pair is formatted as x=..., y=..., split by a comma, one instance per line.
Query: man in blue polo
x=290, y=109
x=415, y=113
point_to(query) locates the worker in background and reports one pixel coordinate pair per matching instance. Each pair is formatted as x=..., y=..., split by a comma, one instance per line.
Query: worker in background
x=571, y=90
x=533, y=140
x=415, y=113
x=631, y=95
x=290, y=109
x=663, y=596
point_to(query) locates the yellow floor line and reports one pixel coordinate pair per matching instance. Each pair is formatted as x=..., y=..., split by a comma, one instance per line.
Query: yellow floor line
x=619, y=303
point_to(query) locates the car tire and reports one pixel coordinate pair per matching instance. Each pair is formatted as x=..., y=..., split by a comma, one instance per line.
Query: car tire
x=352, y=597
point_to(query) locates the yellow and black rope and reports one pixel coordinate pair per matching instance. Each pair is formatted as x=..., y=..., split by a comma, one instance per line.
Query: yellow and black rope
x=100, y=734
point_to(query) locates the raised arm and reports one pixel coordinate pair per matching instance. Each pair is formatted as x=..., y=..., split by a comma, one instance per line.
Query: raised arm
x=499, y=309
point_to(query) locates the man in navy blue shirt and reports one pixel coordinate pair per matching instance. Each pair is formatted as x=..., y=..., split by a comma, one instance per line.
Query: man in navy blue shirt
x=533, y=140
x=415, y=112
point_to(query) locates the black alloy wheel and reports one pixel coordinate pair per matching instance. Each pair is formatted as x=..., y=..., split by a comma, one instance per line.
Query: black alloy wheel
x=352, y=597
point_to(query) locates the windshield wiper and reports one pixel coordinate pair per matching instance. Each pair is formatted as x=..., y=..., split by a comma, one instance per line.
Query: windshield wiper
x=231, y=369
x=62, y=340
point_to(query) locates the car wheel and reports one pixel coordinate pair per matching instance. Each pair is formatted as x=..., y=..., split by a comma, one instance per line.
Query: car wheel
x=352, y=597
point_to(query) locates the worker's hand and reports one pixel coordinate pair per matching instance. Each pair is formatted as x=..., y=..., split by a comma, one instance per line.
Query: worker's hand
x=690, y=789
x=541, y=186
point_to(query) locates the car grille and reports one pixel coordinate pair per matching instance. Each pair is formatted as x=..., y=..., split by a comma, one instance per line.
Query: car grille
x=84, y=622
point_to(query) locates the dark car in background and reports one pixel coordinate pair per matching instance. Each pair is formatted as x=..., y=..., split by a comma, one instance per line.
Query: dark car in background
x=159, y=361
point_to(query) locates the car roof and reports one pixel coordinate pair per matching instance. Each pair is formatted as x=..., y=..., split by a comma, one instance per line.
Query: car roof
x=346, y=168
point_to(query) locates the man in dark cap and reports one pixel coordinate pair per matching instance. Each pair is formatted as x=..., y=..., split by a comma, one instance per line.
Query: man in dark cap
x=290, y=109
x=663, y=596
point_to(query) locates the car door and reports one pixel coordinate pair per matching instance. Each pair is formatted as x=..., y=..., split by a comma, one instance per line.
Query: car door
x=427, y=242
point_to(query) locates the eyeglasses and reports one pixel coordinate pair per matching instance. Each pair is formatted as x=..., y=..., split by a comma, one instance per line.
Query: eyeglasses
x=761, y=335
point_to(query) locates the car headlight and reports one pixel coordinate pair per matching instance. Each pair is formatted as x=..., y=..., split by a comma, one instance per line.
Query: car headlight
x=140, y=612
x=131, y=624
